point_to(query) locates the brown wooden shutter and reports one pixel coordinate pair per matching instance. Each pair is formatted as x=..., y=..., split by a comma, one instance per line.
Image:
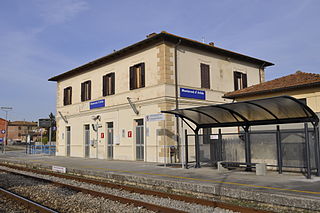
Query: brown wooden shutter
x=244, y=80
x=113, y=83
x=82, y=92
x=70, y=95
x=235, y=79
x=142, y=75
x=64, y=97
x=89, y=85
x=104, y=86
x=202, y=75
x=132, y=78
x=205, y=76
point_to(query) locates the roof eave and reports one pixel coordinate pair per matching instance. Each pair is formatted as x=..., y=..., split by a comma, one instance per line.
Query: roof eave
x=163, y=36
x=248, y=94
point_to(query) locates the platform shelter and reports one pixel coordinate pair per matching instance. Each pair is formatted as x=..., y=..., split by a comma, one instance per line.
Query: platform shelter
x=268, y=111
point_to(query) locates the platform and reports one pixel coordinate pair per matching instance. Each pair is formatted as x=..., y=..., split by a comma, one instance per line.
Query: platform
x=288, y=189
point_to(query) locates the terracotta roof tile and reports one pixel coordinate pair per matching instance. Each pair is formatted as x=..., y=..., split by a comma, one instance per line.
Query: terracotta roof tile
x=289, y=82
x=22, y=123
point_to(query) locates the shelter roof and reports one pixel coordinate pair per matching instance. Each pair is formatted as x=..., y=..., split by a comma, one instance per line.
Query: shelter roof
x=275, y=110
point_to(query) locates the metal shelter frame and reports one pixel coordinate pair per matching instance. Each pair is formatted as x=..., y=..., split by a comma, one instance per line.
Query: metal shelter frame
x=274, y=110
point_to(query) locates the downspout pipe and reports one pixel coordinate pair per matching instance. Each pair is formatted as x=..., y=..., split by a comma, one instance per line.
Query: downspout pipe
x=176, y=94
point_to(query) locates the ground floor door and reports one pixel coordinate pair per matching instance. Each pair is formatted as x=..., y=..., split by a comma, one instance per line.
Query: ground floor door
x=139, y=140
x=68, y=139
x=86, y=140
x=110, y=140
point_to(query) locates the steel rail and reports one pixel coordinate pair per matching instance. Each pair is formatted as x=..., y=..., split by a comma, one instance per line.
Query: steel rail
x=30, y=204
x=143, y=191
x=137, y=203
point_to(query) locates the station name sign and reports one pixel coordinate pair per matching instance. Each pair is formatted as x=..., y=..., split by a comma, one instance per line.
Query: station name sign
x=192, y=93
x=97, y=104
x=155, y=117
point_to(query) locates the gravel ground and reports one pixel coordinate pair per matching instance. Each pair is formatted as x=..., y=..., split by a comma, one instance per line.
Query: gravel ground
x=10, y=206
x=98, y=202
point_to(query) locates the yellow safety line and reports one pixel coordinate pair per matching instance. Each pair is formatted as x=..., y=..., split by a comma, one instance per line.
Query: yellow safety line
x=203, y=180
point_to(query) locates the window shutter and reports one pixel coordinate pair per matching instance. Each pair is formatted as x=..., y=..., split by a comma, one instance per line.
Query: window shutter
x=64, y=97
x=104, y=86
x=70, y=95
x=235, y=79
x=132, y=78
x=143, y=75
x=202, y=75
x=89, y=85
x=82, y=91
x=244, y=80
x=113, y=83
x=205, y=76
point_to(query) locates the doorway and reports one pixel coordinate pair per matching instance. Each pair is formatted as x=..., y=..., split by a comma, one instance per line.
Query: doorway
x=110, y=140
x=139, y=139
x=86, y=140
x=68, y=139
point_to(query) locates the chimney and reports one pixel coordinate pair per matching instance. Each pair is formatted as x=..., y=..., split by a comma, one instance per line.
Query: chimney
x=211, y=44
x=151, y=35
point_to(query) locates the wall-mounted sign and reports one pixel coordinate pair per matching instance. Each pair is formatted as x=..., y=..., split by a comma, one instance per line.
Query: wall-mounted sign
x=97, y=104
x=3, y=131
x=192, y=93
x=102, y=135
x=1, y=139
x=129, y=134
x=155, y=117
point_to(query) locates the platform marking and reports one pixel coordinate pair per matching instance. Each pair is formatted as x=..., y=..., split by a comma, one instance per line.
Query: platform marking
x=203, y=180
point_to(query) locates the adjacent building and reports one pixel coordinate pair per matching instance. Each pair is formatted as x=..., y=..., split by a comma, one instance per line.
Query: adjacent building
x=109, y=108
x=19, y=131
x=3, y=127
x=300, y=85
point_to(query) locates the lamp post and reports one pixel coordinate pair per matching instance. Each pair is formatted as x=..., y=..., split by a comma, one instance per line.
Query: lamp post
x=6, y=109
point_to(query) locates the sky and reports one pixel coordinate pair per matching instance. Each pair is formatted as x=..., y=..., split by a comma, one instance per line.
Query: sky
x=43, y=38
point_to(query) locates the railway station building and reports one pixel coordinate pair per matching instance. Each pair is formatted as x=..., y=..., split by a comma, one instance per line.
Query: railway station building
x=110, y=108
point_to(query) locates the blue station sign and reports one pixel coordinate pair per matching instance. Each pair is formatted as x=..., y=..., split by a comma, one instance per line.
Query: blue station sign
x=97, y=104
x=192, y=93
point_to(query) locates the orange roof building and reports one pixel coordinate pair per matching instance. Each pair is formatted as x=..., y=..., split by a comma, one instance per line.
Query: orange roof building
x=301, y=85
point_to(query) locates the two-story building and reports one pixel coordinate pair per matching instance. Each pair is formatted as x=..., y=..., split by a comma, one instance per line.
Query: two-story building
x=109, y=108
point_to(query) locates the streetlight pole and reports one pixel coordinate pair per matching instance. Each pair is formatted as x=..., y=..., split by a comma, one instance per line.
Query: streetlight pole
x=6, y=109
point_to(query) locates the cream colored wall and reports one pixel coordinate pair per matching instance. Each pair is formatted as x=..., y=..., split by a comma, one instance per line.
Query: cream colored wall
x=312, y=96
x=221, y=70
x=158, y=94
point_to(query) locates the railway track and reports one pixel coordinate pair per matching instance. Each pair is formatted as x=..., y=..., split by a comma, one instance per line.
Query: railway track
x=130, y=189
x=29, y=204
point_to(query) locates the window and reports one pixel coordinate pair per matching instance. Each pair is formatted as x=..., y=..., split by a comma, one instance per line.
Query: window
x=137, y=76
x=240, y=80
x=86, y=91
x=67, y=96
x=205, y=76
x=108, y=84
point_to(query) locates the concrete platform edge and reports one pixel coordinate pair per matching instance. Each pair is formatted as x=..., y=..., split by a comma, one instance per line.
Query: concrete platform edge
x=282, y=199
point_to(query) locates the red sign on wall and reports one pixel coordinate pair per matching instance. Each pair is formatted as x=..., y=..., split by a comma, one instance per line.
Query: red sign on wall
x=102, y=135
x=129, y=134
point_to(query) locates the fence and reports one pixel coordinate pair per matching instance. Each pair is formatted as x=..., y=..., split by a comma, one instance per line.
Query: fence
x=230, y=147
x=41, y=149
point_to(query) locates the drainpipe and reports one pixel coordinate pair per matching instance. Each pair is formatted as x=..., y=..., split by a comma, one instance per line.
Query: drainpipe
x=176, y=91
x=261, y=67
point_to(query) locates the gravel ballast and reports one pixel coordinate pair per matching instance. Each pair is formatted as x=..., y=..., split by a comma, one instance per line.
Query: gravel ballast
x=69, y=201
